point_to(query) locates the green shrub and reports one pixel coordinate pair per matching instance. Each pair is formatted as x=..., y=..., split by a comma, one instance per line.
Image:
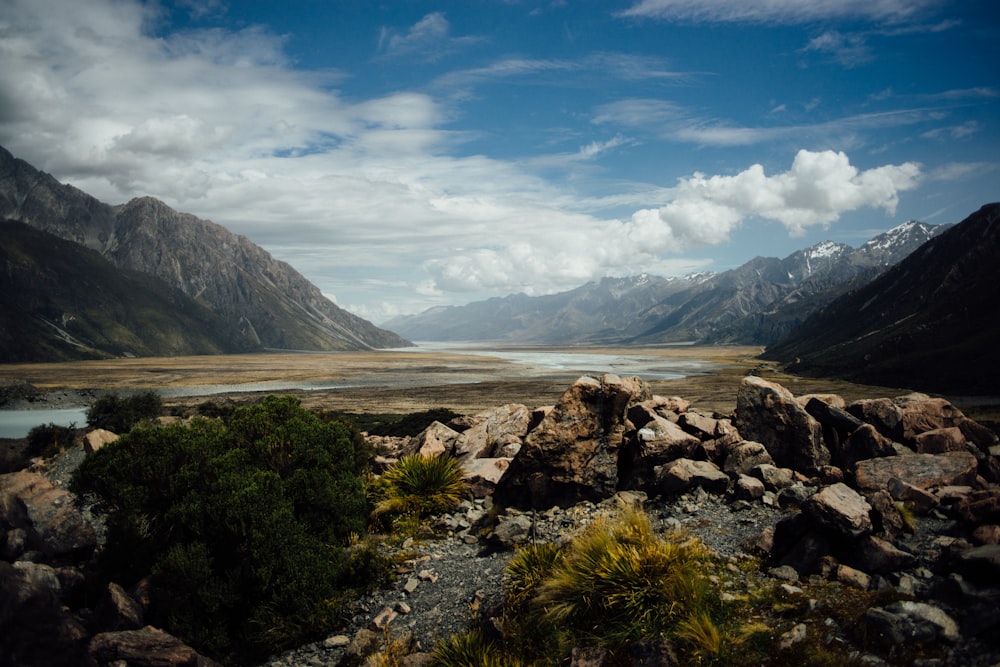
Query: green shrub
x=411, y=424
x=49, y=439
x=119, y=415
x=244, y=524
x=418, y=486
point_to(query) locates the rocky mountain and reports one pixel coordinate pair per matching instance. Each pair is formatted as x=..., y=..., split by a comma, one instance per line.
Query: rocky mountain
x=756, y=303
x=60, y=300
x=931, y=322
x=266, y=300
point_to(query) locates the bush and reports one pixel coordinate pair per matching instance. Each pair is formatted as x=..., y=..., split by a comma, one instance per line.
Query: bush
x=49, y=439
x=416, y=487
x=244, y=524
x=119, y=415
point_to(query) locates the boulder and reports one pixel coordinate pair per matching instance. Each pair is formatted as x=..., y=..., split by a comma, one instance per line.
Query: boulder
x=572, y=455
x=833, y=416
x=511, y=532
x=48, y=516
x=699, y=425
x=745, y=456
x=482, y=475
x=841, y=510
x=748, y=488
x=683, y=474
x=775, y=478
x=435, y=440
x=864, y=443
x=658, y=442
x=492, y=430
x=768, y=413
x=922, y=471
x=940, y=440
x=882, y=413
x=977, y=507
x=980, y=435
x=879, y=556
x=147, y=647
x=905, y=622
x=97, y=438
x=921, y=414
x=117, y=611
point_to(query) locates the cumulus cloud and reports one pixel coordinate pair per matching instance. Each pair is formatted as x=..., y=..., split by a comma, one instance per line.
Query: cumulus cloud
x=778, y=11
x=817, y=189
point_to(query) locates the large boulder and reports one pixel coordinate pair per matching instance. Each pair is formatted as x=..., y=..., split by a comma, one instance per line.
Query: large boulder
x=48, y=516
x=482, y=475
x=882, y=413
x=572, y=455
x=840, y=510
x=147, y=647
x=435, y=440
x=658, y=442
x=920, y=413
x=492, y=433
x=683, y=474
x=922, y=471
x=768, y=413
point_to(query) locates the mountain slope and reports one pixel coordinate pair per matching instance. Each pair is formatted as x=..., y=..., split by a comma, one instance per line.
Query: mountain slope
x=270, y=303
x=754, y=304
x=61, y=301
x=931, y=322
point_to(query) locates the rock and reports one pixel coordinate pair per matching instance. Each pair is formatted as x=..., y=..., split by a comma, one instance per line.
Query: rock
x=774, y=478
x=572, y=455
x=922, y=471
x=591, y=656
x=979, y=564
x=940, y=440
x=698, y=425
x=742, y=458
x=435, y=440
x=795, y=495
x=364, y=643
x=886, y=518
x=653, y=653
x=684, y=474
x=983, y=437
x=511, y=532
x=881, y=413
x=796, y=635
x=658, y=442
x=879, y=556
x=832, y=416
x=482, y=475
x=97, y=438
x=147, y=647
x=976, y=507
x=767, y=413
x=921, y=414
x=48, y=515
x=846, y=574
x=116, y=611
x=492, y=430
x=841, y=510
x=865, y=443
x=914, y=497
x=748, y=488
x=906, y=621
x=986, y=534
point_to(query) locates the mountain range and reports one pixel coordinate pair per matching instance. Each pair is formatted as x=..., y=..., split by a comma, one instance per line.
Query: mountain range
x=931, y=322
x=755, y=304
x=202, y=289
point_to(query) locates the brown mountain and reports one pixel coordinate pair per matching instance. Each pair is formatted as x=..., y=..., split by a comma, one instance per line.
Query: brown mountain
x=931, y=322
x=270, y=304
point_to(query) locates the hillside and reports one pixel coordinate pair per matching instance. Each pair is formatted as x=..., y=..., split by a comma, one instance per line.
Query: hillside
x=266, y=300
x=930, y=323
x=754, y=304
x=59, y=300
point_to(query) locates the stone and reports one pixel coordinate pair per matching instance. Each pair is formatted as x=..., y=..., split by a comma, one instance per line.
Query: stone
x=48, y=515
x=336, y=641
x=881, y=413
x=653, y=653
x=742, y=458
x=907, y=621
x=983, y=437
x=382, y=619
x=922, y=414
x=572, y=455
x=492, y=430
x=767, y=413
x=922, y=471
x=658, y=442
x=511, y=532
x=914, y=497
x=841, y=510
x=774, y=478
x=590, y=656
x=886, y=518
x=830, y=415
x=879, y=556
x=988, y=533
x=940, y=440
x=796, y=635
x=683, y=474
x=864, y=443
x=435, y=440
x=979, y=564
x=482, y=475
x=846, y=574
x=117, y=610
x=699, y=425
x=748, y=488
x=97, y=438
x=147, y=647
x=364, y=643
x=976, y=507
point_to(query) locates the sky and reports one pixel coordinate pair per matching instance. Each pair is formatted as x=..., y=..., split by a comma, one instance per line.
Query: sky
x=406, y=154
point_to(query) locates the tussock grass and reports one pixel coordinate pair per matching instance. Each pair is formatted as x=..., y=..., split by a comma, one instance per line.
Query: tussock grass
x=416, y=487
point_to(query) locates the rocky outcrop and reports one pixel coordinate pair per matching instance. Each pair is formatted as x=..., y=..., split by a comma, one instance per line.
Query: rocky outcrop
x=46, y=517
x=572, y=455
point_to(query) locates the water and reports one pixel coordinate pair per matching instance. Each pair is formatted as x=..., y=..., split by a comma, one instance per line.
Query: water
x=17, y=423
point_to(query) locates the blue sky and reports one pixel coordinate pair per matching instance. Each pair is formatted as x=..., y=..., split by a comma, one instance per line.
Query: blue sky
x=407, y=154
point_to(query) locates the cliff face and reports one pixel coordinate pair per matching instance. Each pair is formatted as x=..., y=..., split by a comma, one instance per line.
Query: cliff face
x=266, y=300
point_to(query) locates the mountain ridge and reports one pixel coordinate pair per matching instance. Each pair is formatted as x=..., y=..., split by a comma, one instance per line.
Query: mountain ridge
x=266, y=300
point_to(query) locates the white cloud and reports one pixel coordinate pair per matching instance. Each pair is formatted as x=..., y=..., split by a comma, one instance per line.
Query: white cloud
x=778, y=11
x=816, y=190
x=850, y=50
x=429, y=38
